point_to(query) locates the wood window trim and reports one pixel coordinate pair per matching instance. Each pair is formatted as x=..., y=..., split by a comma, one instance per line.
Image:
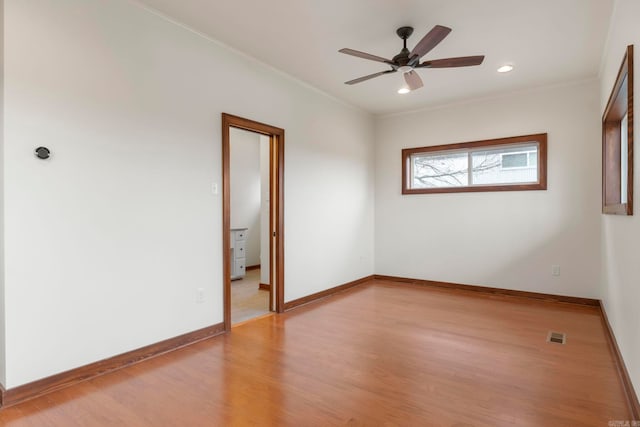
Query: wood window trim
x=540, y=138
x=620, y=104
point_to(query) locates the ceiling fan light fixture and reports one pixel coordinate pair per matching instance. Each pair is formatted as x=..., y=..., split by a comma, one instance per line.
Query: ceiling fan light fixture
x=404, y=90
x=405, y=69
x=505, y=68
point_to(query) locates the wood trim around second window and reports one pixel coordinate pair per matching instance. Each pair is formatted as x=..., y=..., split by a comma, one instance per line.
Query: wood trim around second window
x=620, y=104
x=540, y=139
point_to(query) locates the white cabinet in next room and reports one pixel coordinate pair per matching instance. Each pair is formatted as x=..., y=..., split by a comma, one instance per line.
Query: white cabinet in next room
x=238, y=240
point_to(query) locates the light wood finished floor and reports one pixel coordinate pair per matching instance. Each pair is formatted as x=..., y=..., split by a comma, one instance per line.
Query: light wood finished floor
x=380, y=354
x=247, y=300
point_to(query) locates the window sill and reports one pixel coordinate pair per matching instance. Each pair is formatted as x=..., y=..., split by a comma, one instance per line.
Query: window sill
x=619, y=209
x=476, y=188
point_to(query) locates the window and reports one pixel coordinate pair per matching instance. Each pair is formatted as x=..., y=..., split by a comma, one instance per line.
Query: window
x=617, y=143
x=522, y=159
x=517, y=163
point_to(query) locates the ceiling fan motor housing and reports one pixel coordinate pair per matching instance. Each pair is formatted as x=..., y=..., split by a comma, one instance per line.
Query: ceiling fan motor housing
x=402, y=59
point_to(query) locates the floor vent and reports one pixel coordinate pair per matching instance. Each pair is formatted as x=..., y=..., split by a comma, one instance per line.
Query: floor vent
x=557, y=337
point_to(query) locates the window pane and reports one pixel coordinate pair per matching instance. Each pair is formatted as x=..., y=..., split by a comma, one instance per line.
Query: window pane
x=533, y=159
x=505, y=165
x=440, y=170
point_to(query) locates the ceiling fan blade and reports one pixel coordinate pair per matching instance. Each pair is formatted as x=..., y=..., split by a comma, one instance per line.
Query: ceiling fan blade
x=413, y=80
x=364, y=55
x=370, y=76
x=463, y=61
x=431, y=40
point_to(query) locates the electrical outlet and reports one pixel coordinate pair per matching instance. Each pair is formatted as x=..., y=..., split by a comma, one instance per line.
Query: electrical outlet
x=199, y=295
x=555, y=270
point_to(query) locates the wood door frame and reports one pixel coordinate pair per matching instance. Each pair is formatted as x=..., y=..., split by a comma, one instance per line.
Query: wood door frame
x=276, y=191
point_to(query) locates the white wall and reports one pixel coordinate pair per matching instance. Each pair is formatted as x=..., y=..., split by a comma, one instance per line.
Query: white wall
x=501, y=239
x=245, y=189
x=265, y=198
x=620, y=234
x=107, y=242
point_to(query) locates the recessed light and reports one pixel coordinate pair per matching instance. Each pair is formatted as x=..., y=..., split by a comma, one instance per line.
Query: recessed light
x=505, y=68
x=404, y=90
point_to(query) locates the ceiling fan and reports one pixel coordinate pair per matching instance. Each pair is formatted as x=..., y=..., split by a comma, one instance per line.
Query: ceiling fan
x=408, y=61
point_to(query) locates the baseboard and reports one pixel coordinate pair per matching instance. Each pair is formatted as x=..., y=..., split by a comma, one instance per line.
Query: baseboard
x=264, y=286
x=494, y=291
x=623, y=374
x=252, y=267
x=37, y=388
x=323, y=294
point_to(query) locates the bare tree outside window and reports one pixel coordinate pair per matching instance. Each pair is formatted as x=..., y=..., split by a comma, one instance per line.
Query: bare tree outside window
x=448, y=170
x=451, y=170
x=515, y=164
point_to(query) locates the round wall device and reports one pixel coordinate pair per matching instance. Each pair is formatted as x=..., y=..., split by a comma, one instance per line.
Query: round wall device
x=43, y=153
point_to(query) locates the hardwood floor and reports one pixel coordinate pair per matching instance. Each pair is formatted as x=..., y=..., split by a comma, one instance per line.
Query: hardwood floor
x=382, y=354
x=247, y=299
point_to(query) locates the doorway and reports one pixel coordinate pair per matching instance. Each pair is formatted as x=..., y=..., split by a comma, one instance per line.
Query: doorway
x=268, y=274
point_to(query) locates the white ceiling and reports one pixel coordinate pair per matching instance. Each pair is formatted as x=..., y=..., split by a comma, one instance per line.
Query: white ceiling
x=548, y=41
